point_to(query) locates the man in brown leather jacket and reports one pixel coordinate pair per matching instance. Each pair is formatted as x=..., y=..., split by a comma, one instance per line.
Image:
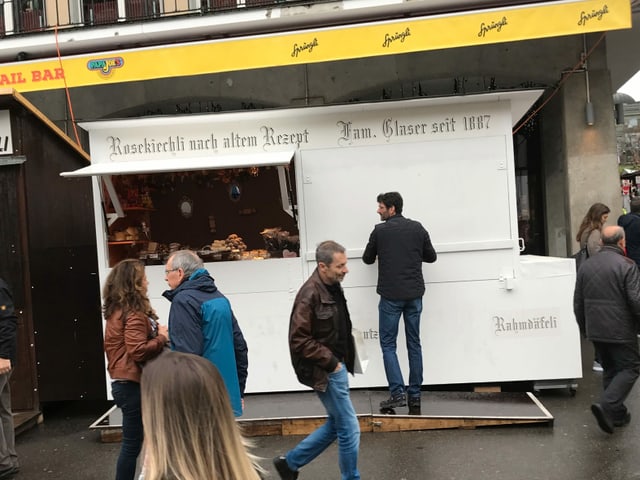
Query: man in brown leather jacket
x=322, y=352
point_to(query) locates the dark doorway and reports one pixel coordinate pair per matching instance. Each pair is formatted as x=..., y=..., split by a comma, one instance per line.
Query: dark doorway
x=530, y=190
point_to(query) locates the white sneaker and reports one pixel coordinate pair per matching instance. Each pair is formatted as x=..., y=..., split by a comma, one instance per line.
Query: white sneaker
x=597, y=367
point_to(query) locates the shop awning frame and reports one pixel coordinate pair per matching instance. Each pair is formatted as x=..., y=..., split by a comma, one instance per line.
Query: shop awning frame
x=212, y=162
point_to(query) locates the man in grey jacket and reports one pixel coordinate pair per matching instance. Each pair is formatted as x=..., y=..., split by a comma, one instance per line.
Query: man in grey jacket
x=606, y=302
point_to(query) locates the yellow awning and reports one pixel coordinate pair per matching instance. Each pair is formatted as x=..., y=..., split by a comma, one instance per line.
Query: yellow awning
x=322, y=45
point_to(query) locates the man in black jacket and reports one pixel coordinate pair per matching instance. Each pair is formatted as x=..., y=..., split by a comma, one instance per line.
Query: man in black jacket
x=401, y=245
x=631, y=224
x=8, y=327
x=606, y=302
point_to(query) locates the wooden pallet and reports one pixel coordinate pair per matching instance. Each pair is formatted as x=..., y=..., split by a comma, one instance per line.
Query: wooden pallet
x=300, y=413
x=439, y=410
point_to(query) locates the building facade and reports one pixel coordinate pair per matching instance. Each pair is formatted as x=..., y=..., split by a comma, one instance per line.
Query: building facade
x=79, y=61
x=228, y=56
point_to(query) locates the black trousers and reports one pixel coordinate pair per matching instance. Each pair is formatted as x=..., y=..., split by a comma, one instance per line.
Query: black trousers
x=621, y=365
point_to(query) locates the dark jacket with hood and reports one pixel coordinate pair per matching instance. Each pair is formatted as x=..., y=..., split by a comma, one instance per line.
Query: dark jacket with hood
x=401, y=246
x=606, y=300
x=631, y=224
x=201, y=322
x=314, y=334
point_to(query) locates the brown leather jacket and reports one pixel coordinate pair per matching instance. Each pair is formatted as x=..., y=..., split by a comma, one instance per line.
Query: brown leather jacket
x=313, y=333
x=128, y=345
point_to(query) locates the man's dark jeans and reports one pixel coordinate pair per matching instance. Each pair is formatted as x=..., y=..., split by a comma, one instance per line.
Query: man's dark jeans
x=127, y=397
x=389, y=319
x=621, y=365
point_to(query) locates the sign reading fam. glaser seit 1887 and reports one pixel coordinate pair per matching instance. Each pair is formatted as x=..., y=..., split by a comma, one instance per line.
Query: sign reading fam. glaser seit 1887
x=5, y=133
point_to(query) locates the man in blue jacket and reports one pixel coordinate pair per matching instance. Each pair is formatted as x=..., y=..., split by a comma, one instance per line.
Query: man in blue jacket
x=201, y=322
x=401, y=246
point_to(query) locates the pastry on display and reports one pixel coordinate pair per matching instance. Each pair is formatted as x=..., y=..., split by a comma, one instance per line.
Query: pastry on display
x=236, y=243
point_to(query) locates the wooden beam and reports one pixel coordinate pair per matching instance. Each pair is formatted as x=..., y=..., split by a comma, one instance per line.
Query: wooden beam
x=487, y=388
x=381, y=423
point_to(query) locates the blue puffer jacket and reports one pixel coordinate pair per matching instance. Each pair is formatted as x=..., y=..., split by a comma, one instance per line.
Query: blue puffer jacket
x=201, y=322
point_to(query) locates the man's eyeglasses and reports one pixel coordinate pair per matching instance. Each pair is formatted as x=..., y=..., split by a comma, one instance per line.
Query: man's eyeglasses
x=167, y=272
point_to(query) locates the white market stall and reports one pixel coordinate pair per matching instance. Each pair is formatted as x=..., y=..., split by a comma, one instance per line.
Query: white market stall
x=490, y=314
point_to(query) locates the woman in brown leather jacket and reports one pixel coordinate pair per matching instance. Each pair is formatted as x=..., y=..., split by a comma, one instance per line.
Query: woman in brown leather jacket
x=132, y=337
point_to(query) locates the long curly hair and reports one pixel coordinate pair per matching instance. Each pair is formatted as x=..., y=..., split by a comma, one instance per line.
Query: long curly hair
x=592, y=220
x=124, y=290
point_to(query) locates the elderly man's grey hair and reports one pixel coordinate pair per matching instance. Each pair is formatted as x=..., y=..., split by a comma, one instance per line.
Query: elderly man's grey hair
x=187, y=260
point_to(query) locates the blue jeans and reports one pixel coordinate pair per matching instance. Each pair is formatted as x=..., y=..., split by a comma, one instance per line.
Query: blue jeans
x=127, y=398
x=389, y=317
x=342, y=424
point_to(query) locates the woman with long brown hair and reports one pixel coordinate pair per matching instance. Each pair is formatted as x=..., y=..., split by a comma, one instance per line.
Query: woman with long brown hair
x=588, y=237
x=191, y=431
x=132, y=337
x=589, y=232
